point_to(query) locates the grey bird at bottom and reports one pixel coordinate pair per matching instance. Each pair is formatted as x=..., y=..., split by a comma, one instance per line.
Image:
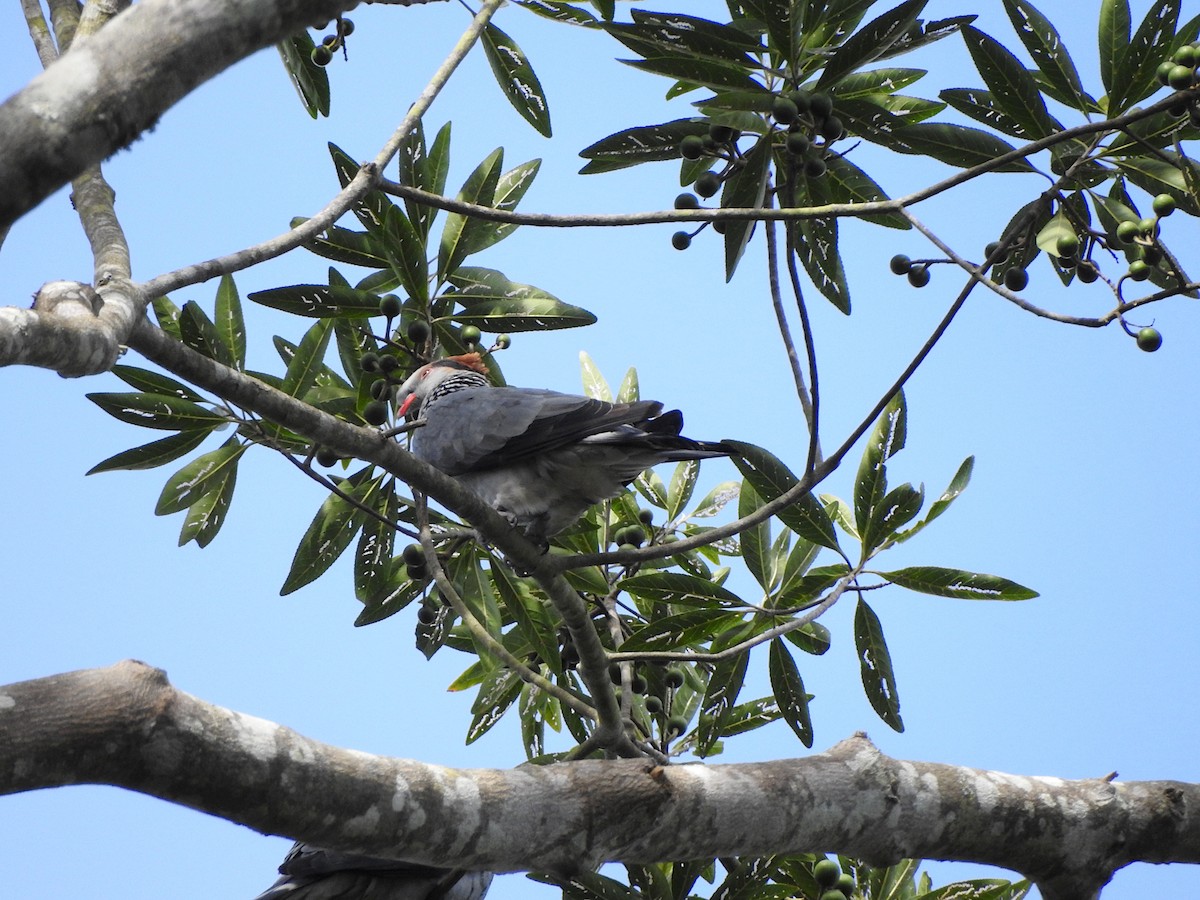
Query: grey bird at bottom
x=538, y=457
x=312, y=873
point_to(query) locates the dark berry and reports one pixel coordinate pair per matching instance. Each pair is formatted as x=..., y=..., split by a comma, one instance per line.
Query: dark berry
x=321, y=55
x=822, y=105
x=326, y=457
x=638, y=684
x=797, y=143
x=1016, y=279
x=375, y=412
x=708, y=184
x=676, y=726
x=918, y=276
x=722, y=134
x=646, y=516
x=815, y=167
x=427, y=615
x=416, y=573
x=832, y=129
x=900, y=264
x=673, y=678
x=413, y=555
x=418, y=331
x=346, y=27
x=681, y=240
x=653, y=706
x=380, y=388
x=687, y=201
x=1087, y=271
x=369, y=362
x=691, y=147
x=389, y=306
x=388, y=363
x=784, y=111
x=802, y=99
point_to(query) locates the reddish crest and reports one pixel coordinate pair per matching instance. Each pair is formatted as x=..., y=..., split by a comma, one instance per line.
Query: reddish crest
x=470, y=361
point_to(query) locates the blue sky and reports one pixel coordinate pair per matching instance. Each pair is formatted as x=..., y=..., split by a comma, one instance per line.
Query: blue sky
x=1084, y=485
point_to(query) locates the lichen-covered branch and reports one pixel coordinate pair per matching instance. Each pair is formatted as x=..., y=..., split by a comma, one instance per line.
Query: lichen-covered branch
x=127, y=726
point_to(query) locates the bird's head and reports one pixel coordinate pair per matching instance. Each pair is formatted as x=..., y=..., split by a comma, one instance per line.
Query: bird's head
x=421, y=383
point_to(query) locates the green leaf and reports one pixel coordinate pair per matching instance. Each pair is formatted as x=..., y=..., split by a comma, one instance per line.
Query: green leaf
x=875, y=81
x=308, y=360
x=1135, y=78
x=629, y=392
x=957, y=485
x=645, y=143
x=493, y=303
x=405, y=250
x=1164, y=174
x=158, y=411
x=460, y=234
x=167, y=314
x=981, y=106
x=1015, y=91
x=500, y=689
x=560, y=11
x=400, y=593
x=789, y=692
x=686, y=629
x=533, y=620
x=898, y=507
x=683, y=482
x=207, y=512
x=745, y=189
x=694, y=71
x=755, y=541
x=373, y=554
x=310, y=80
x=319, y=301
x=943, y=582
x=771, y=478
x=875, y=664
x=516, y=78
x=154, y=383
x=675, y=35
x=676, y=587
x=510, y=189
x=887, y=439
x=197, y=330
x=1114, y=40
x=1046, y=46
x=956, y=145
x=371, y=209
x=354, y=248
x=329, y=533
x=353, y=340
x=186, y=486
x=595, y=386
x=870, y=42
x=156, y=453
x=847, y=183
x=231, y=325
x=720, y=697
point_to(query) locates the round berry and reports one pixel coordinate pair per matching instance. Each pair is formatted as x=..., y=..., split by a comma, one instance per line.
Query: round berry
x=413, y=555
x=797, y=143
x=1163, y=205
x=1016, y=279
x=815, y=167
x=389, y=306
x=784, y=111
x=426, y=615
x=1180, y=77
x=380, y=388
x=1139, y=270
x=1163, y=72
x=418, y=331
x=646, y=516
x=638, y=684
x=833, y=894
x=653, y=706
x=822, y=105
x=1067, y=244
x=900, y=264
x=687, y=201
x=990, y=250
x=369, y=362
x=708, y=184
x=691, y=147
x=503, y=341
x=1148, y=226
x=845, y=883
x=1127, y=231
x=1149, y=339
x=321, y=55
x=346, y=27
x=802, y=99
x=1087, y=271
x=388, y=363
x=918, y=276
x=673, y=678
x=826, y=872
x=832, y=129
x=375, y=412
x=1185, y=56
x=326, y=457
x=470, y=334
x=722, y=134
x=681, y=240
x=676, y=726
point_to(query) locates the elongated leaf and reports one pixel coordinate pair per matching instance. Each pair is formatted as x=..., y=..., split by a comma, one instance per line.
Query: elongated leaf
x=870, y=42
x=309, y=359
x=400, y=593
x=328, y=535
x=373, y=554
x=493, y=303
x=560, y=11
x=231, y=325
x=499, y=690
x=1114, y=40
x=167, y=315
x=745, y=189
x=683, y=482
x=199, y=332
x=771, y=478
x=1151, y=44
x=943, y=582
x=676, y=587
x=789, y=692
x=887, y=439
x=1015, y=91
x=898, y=507
x=310, y=80
x=319, y=301
x=957, y=145
x=818, y=252
x=185, y=486
x=720, y=697
x=157, y=411
x=875, y=664
x=371, y=209
x=682, y=36
x=756, y=539
x=691, y=628
x=694, y=71
x=981, y=106
x=207, y=512
x=355, y=248
x=156, y=453
x=875, y=81
x=516, y=78
x=510, y=188
x=645, y=143
x=957, y=485
x=461, y=234
x=405, y=250
x=534, y=622
x=596, y=387
x=847, y=183
x=154, y=383
x=1166, y=173
x=1046, y=46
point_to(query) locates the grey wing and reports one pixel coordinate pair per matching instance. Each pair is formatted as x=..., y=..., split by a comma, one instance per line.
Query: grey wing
x=314, y=873
x=492, y=427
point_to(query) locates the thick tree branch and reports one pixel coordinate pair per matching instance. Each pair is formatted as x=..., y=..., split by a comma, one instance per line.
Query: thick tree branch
x=126, y=726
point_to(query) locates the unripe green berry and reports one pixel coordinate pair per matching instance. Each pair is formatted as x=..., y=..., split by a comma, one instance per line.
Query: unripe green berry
x=802, y=99
x=1163, y=72
x=822, y=105
x=673, y=678
x=413, y=555
x=1067, y=244
x=722, y=134
x=369, y=362
x=833, y=894
x=918, y=276
x=691, y=147
x=676, y=726
x=418, y=331
x=470, y=334
x=380, y=388
x=784, y=111
x=1149, y=339
x=653, y=706
x=797, y=143
x=1163, y=205
x=1185, y=56
x=389, y=305
x=815, y=167
x=1180, y=77
x=1127, y=231
x=1148, y=226
x=646, y=516
x=388, y=363
x=845, y=883
x=826, y=872
x=1139, y=270
x=503, y=341
x=1016, y=279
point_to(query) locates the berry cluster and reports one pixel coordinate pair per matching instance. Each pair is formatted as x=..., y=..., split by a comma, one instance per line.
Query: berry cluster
x=322, y=54
x=1179, y=72
x=832, y=881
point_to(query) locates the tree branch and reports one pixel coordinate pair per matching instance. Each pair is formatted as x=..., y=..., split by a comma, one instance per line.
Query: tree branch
x=127, y=726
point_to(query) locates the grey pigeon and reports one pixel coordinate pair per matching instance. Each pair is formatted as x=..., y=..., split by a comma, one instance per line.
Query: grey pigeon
x=311, y=873
x=538, y=457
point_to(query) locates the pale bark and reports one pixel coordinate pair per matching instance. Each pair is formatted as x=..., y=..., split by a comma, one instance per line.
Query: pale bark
x=127, y=726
